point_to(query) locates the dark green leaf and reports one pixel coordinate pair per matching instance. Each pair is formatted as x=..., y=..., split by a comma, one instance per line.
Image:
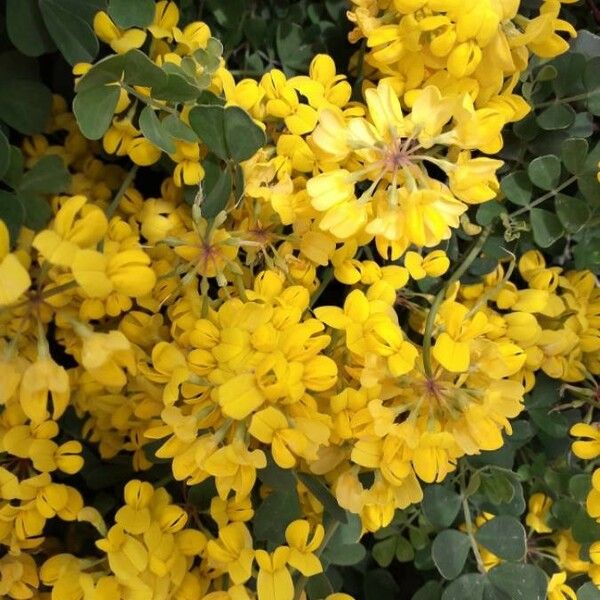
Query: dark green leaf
x=546, y=227
x=546, y=73
x=275, y=477
x=466, y=587
x=323, y=495
x=579, y=486
x=586, y=43
x=449, y=552
x=488, y=211
x=588, y=591
x=275, y=513
x=175, y=88
x=343, y=547
x=504, y=536
x=216, y=188
x=12, y=213
x=47, y=176
x=404, y=550
x=177, y=129
x=207, y=122
x=573, y=154
x=556, y=116
x=318, y=587
x=140, y=70
x=585, y=529
x=94, y=109
x=13, y=65
x=440, y=505
x=432, y=590
x=4, y=154
x=544, y=171
x=26, y=28
x=25, y=105
x=517, y=188
x=572, y=212
x=153, y=129
x=520, y=582
x=131, y=13
x=74, y=37
x=242, y=135
x=380, y=585
x=497, y=486
x=37, y=210
x=384, y=551
x=14, y=172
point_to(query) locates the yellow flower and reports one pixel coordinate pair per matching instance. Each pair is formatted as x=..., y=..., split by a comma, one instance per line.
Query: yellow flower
x=589, y=448
x=558, y=589
x=274, y=581
x=188, y=170
x=539, y=509
x=14, y=278
x=232, y=552
x=593, y=500
x=166, y=17
x=120, y=40
x=302, y=550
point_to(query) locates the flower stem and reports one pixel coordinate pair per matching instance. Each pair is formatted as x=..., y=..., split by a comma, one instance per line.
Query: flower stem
x=543, y=198
x=469, y=523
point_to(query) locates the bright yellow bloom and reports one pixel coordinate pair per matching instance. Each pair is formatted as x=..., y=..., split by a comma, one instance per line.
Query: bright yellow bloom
x=302, y=550
x=274, y=581
x=232, y=552
x=14, y=278
x=539, y=509
x=589, y=447
x=120, y=40
x=558, y=589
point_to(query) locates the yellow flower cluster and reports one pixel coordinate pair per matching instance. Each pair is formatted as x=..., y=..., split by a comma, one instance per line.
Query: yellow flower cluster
x=202, y=337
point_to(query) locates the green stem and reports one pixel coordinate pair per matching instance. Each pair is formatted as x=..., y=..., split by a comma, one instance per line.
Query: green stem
x=299, y=587
x=567, y=100
x=543, y=198
x=430, y=322
x=469, y=523
x=359, y=71
x=325, y=281
x=149, y=101
x=112, y=207
x=59, y=289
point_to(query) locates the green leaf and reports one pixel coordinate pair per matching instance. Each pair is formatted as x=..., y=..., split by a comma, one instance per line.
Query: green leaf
x=207, y=122
x=591, y=79
x=573, y=154
x=12, y=213
x=520, y=582
x=573, y=213
x=4, y=154
x=37, y=210
x=177, y=129
x=343, y=547
x=131, y=13
x=384, y=551
x=440, y=505
x=47, y=176
x=275, y=477
x=26, y=29
x=175, y=88
x=556, y=116
x=546, y=227
x=73, y=36
x=275, y=513
x=488, y=211
x=94, y=109
x=579, y=486
x=517, y=188
x=544, y=171
x=14, y=172
x=25, y=105
x=404, y=550
x=323, y=495
x=449, y=552
x=546, y=73
x=497, y=486
x=585, y=529
x=293, y=50
x=504, y=536
x=379, y=584
x=432, y=590
x=466, y=587
x=242, y=135
x=318, y=587
x=216, y=187
x=588, y=591
x=153, y=129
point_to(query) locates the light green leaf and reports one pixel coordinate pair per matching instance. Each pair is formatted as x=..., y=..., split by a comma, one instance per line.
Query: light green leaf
x=94, y=109
x=74, y=37
x=588, y=591
x=25, y=105
x=488, y=211
x=153, y=129
x=466, y=587
x=546, y=227
x=544, y=171
x=131, y=13
x=207, y=122
x=517, y=188
x=26, y=28
x=47, y=176
x=404, y=550
x=440, y=505
x=504, y=536
x=556, y=116
x=573, y=154
x=520, y=582
x=449, y=552
x=573, y=213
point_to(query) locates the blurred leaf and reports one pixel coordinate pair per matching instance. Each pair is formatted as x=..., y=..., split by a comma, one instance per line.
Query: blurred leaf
x=520, y=582
x=504, y=536
x=318, y=587
x=586, y=43
x=131, y=13
x=573, y=213
x=275, y=513
x=37, y=210
x=94, y=109
x=546, y=227
x=47, y=176
x=432, y=590
x=26, y=28
x=579, y=486
x=14, y=172
x=26, y=107
x=517, y=188
x=216, y=188
x=293, y=50
x=440, y=505
x=404, y=550
x=466, y=587
x=588, y=591
x=556, y=116
x=275, y=477
x=544, y=171
x=323, y=495
x=488, y=211
x=449, y=552
x=4, y=154
x=74, y=37
x=384, y=551
x=573, y=154
x=380, y=585
x=343, y=547
x=12, y=213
